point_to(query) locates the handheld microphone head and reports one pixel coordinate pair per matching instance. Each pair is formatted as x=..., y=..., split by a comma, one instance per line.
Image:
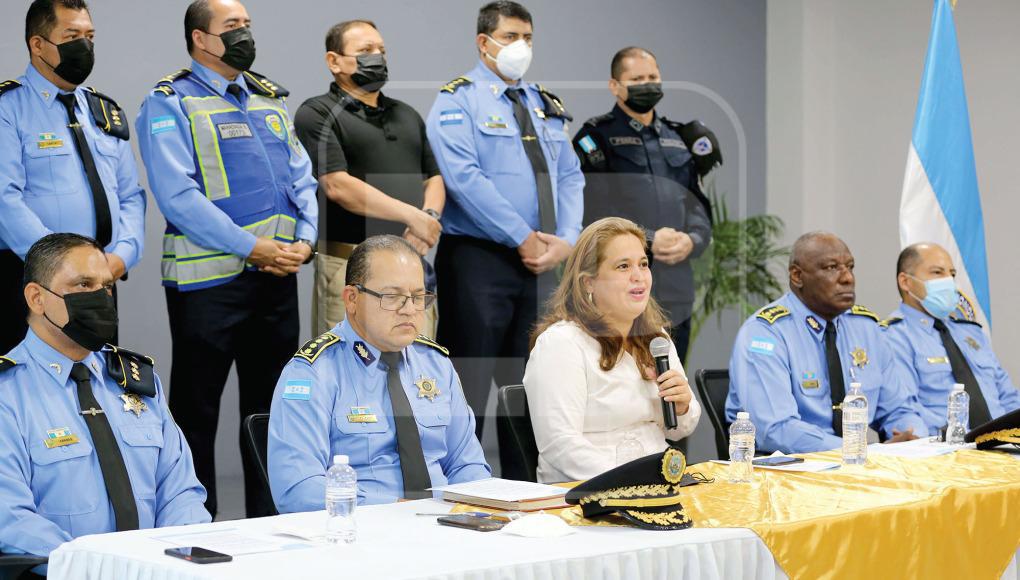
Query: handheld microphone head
x=659, y=347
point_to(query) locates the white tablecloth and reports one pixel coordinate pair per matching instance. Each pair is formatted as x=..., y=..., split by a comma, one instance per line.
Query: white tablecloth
x=394, y=543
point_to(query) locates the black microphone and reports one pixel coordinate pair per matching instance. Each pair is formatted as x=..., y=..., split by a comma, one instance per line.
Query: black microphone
x=660, y=352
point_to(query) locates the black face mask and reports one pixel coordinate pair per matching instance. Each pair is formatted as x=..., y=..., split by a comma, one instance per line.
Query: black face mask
x=643, y=98
x=239, y=45
x=91, y=318
x=77, y=57
x=372, y=73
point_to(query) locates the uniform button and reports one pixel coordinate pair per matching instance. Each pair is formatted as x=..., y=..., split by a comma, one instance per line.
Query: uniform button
x=148, y=436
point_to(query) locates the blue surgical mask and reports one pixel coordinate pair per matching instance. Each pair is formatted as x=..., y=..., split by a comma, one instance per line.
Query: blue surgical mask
x=940, y=296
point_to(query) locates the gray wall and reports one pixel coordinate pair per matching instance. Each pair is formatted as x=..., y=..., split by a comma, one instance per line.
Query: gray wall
x=716, y=48
x=843, y=80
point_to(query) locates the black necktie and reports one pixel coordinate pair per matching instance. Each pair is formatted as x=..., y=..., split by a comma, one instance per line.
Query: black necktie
x=104, y=227
x=111, y=462
x=962, y=373
x=412, y=460
x=235, y=90
x=533, y=148
x=836, y=386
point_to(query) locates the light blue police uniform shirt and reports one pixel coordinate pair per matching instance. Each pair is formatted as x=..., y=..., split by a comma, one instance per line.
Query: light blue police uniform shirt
x=779, y=374
x=43, y=186
x=318, y=411
x=164, y=138
x=490, y=187
x=49, y=496
x=917, y=349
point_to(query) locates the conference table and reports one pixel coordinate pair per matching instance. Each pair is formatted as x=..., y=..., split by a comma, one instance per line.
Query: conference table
x=394, y=542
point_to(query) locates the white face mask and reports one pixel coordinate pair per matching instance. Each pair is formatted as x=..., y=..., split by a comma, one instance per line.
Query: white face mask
x=513, y=59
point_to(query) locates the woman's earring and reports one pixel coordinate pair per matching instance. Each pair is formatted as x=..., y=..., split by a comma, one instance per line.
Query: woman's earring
x=590, y=298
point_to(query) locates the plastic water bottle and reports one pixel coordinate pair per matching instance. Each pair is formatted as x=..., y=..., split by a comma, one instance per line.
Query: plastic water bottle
x=629, y=449
x=957, y=415
x=741, y=448
x=855, y=426
x=341, y=499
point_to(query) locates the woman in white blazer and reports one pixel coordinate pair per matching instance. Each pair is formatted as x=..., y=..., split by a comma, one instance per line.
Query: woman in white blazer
x=591, y=380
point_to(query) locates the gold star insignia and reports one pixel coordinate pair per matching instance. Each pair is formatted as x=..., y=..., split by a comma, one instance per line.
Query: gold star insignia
x=134, y=404
x=427, y=388
x=860, y=357
x=973, y=343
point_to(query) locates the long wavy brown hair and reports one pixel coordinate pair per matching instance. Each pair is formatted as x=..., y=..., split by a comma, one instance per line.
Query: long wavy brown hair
x=570, y=301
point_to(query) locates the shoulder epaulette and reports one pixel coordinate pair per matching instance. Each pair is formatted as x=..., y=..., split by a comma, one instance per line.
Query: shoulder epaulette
x=165, y=84
x=313, y=348
x=965, y=321
x=8, y=86
x=596, y=121
x=263, y=86
x=422, y=339
x=773, y=313
x=131, y=370
x=553, y=105
x=107, y=113
x=6, y=363
x=890, y=321
x=452, y=86
x=965, y=307
x=863, y=311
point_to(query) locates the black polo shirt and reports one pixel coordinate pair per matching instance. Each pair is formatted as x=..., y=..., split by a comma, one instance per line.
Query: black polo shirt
x=384, y=146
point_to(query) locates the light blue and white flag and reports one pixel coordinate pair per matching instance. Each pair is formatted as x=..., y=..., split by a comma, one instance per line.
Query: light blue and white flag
x=941, y=202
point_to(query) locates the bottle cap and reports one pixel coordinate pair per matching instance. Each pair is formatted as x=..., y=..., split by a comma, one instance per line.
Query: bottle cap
x=743, y=415
x=957, y=387
x=340, y=460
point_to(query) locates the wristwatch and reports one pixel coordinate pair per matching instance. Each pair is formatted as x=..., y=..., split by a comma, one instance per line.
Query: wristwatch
x=432, y=213
x=311, y=245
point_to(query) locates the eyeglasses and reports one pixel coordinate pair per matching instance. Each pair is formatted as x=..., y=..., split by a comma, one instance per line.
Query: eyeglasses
x=397, y=301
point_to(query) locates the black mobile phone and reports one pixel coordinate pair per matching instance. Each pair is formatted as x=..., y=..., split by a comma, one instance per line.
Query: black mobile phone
x=471, y=523
x=776, y=460
x=198, y=555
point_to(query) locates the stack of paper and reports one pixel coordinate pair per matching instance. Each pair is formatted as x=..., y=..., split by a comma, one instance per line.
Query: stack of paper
x=505, y=494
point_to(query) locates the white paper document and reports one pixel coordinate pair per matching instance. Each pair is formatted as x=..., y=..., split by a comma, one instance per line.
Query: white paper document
x=503, y=489
x=232, y=541
x=806, y=466
x=916, y=449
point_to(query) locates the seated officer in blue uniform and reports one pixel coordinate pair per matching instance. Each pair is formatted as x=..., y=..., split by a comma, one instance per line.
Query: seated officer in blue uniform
x=375, y=390
x=935, y=340
x=65, y=161
x=87, y=445
x=794, y=359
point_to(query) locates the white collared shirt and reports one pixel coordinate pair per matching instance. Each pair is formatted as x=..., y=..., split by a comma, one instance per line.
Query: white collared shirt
x=580, y=413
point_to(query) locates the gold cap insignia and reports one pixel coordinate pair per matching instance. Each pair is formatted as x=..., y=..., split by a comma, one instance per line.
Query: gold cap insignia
x=673, y=465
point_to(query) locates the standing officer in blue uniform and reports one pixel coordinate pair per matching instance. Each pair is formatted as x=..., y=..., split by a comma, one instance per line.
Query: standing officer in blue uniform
x=375, y=390
x=65, y=161
x=640, y=165
x=939, y=350
x=515, y=203
x=87, y=445
x=792, y=360
x=236, y=187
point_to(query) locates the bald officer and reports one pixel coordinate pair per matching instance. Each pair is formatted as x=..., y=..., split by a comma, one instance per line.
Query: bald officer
x=375, y=390
x=793, y=360
x=937, y=346
x=87, y=445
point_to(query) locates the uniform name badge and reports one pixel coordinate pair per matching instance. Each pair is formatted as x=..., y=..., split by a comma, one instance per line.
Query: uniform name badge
x=59, y=438
x=361, y=415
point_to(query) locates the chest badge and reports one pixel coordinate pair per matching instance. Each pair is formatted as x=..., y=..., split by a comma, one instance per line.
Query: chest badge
x=60, y=437
x=809, y=380
x=860, y=357
x=275, y=126
x=361, y=415
x=539, y=113
x=973, y=343
x=134, y=404
x=49, y=141
x=427, y=388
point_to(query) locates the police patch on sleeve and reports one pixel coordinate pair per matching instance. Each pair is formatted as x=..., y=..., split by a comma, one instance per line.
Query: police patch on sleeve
x=298, y=390
x=162, y=125
x=451, y=117
x=703, y=146
x=587, y=144
x=762, y=345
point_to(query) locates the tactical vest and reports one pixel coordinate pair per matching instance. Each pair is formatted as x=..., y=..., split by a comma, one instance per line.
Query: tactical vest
x=242, y=165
